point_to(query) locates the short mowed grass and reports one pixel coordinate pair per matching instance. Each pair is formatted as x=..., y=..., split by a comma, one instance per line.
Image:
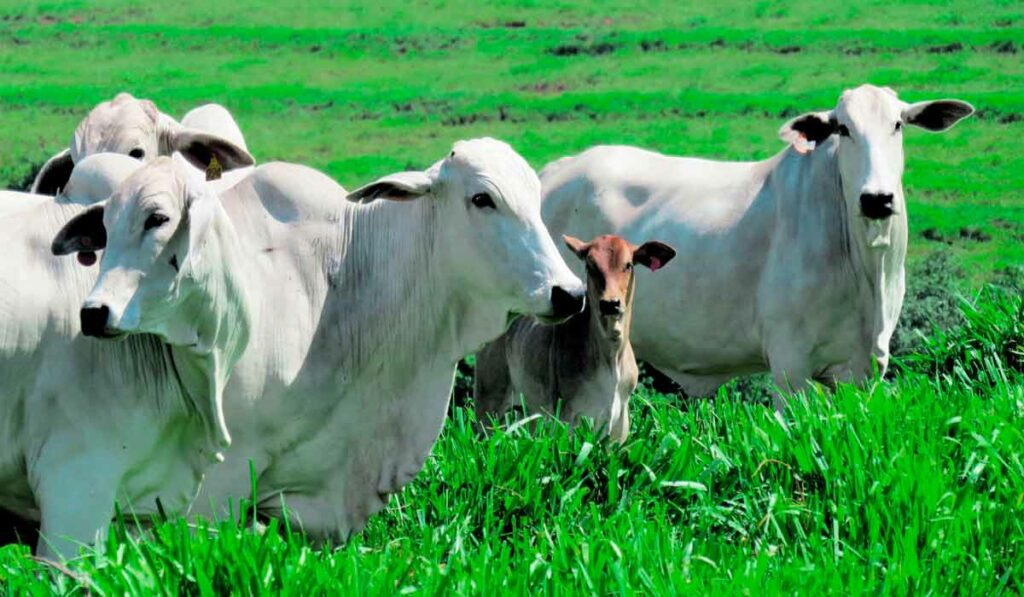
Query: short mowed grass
x=907, y=485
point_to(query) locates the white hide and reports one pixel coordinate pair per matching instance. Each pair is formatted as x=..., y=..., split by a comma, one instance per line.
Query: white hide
x=82, y=423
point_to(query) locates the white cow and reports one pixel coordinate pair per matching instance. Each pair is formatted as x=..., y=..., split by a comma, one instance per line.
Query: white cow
x=328, y=331
x=136, y=128
x=84, y=423
x=15, y=201
x=793, y=264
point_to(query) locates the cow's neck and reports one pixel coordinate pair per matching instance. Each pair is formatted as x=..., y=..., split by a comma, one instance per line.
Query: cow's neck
x=395, y=301
x=874, y=258
x=585, y=333
x=216, y=307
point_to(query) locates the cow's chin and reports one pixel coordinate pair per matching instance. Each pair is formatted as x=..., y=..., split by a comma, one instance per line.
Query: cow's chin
x=613, y=327
x=878, y=232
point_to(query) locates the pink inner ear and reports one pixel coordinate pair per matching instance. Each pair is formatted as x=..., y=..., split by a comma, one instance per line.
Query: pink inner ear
x=86, y=258
x=802, y=144
x=655, y=264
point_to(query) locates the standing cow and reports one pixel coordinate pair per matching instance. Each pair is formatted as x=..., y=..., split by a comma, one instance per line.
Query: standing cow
x=84, y=424
x=328, y=332
x=585, y=366
x=793, y=264
x=136, y=128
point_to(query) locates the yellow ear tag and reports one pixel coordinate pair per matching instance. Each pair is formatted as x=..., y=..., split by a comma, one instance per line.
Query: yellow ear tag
x=214, y=170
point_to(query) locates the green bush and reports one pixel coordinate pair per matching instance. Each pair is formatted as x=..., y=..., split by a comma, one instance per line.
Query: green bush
x=986, y=350
x=932, y=302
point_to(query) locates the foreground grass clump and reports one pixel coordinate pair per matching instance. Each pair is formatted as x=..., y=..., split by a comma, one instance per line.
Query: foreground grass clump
x=909, y=485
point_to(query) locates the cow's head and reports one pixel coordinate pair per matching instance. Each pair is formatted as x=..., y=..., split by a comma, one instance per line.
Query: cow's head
x=487, y=199
x=610, y=277
x=136, y=128
x=869, y=123
x=149, y=228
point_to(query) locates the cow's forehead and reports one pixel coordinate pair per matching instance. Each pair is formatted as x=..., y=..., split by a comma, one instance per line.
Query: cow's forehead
x=499, y=164
x=98, y=176
x=868, y=105
x=610, y=250
x=110, y=125
x=120, y=114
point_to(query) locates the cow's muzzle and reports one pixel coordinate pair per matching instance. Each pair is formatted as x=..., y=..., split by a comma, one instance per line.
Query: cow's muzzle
x=612, y=307
x=95, y=321
x=566, y=303
x=876, y=206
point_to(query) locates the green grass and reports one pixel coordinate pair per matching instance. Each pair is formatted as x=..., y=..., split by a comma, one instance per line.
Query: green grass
x=909, y=485
x=360, y=91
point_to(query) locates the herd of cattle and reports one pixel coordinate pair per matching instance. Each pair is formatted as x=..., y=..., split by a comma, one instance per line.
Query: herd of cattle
x=269, y=322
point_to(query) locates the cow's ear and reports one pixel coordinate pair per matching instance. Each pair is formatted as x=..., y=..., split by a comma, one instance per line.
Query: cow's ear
x=808, y=130
x=653, y=254
x=204, y=211
x=54, y=174
x=937, y=115
x=201, y=148
x=403, y=186
x=578, y=247
x=84, y=233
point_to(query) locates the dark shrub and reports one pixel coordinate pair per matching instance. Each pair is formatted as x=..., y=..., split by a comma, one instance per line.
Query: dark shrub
x=932, y=302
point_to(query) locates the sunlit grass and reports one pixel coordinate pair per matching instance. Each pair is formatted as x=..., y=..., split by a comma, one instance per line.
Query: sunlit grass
x=905, y=486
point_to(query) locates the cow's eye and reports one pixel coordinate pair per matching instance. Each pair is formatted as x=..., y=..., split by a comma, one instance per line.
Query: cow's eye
x=899, y=126
x=843, y=131
x=155, y=221
x=629, y=267
x=137, y=153
x=483, y=200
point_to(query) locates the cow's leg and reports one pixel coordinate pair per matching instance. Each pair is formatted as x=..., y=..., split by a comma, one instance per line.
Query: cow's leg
x=791, y=372
x=492, y=383
x=76, y=494
x=618, y=431
x=852, y=371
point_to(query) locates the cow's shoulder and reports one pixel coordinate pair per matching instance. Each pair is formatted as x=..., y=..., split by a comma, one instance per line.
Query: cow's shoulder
x=291, y=193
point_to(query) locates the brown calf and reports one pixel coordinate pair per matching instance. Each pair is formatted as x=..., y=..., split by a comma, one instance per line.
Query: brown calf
x=583, y=367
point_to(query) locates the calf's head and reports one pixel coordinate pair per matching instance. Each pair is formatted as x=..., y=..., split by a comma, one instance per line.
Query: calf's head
x=869, y=122
x=611, y=278
x=136, y=128
x=486, y=201
x=150, y=229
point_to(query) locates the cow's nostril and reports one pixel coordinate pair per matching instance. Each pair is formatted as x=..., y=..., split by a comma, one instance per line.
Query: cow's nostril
x=876, y=206
x=566, y=303
x=611, y=307
x=94, y=321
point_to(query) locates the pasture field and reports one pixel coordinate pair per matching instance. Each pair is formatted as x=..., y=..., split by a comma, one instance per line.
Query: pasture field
x=911, y=484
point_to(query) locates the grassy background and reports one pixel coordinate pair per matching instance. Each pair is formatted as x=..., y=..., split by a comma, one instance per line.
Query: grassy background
x=360, y=91
x=911, y=484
